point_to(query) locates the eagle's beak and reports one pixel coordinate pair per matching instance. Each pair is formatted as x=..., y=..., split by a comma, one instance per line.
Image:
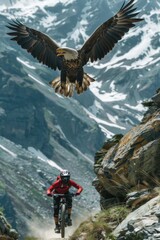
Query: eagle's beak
x=60, y=52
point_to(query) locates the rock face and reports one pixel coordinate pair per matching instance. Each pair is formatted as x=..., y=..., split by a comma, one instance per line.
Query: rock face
x=127, y=171
x=6, y=232
x=128, y=163
x=141, y=224
x=33, y=120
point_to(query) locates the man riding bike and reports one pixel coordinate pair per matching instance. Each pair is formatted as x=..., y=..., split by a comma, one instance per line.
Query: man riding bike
x=62, y=186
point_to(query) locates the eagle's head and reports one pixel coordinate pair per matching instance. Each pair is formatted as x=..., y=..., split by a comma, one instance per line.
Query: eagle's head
x=67, y=53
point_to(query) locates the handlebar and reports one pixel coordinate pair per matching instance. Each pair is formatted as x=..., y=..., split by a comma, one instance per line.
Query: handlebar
x=63, y=195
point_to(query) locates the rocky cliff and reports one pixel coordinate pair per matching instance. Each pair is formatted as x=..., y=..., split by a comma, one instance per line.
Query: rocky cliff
x=128, y=174
x=6, y=231
x=128, y=163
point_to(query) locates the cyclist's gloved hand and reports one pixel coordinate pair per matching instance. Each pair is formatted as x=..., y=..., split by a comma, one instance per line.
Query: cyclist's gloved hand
x=49, y=194
x=77, y=193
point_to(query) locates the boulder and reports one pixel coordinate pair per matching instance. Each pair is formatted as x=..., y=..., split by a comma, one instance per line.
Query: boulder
x=143, y=223
x=6, y=231
x=129, y=163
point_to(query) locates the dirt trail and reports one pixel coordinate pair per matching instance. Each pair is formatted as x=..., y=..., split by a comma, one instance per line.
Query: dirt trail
x=44, y=231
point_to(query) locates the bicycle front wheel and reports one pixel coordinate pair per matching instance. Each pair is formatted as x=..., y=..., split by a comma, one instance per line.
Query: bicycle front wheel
x=63, y=220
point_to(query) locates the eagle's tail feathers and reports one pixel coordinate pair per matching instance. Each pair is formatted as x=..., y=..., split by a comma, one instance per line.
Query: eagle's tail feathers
x=57, y=87
x=88, y=78
x=85, y=84
x=68, y=88
x=71, y=90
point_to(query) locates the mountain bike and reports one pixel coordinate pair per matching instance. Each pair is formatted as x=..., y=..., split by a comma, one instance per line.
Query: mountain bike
x=63, y=212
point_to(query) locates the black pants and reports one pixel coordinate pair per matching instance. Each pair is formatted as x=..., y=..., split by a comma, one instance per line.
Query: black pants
x=56, y=202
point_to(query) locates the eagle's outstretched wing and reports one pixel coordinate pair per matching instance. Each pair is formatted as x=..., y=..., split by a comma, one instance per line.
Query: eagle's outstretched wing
x=38, y=44
x=109, y=33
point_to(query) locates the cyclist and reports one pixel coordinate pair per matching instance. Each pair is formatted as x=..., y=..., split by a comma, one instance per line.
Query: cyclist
x=62, y=186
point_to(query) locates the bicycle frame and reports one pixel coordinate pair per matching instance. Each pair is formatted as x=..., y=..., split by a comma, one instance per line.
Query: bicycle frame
x=62, y=212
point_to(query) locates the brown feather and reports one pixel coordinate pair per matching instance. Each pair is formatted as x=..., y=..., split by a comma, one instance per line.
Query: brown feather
x=67, y=89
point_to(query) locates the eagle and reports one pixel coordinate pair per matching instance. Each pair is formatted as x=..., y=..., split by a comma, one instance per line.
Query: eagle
x=69, y=61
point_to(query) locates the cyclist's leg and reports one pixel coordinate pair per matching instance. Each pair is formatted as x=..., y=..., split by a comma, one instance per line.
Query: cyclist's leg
x=56, y=201
x=69, y=204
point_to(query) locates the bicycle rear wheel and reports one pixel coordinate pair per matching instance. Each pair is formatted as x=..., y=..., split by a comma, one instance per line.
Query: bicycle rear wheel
x=63, y=220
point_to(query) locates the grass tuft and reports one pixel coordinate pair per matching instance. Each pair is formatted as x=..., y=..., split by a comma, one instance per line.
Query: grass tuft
x=101, y=225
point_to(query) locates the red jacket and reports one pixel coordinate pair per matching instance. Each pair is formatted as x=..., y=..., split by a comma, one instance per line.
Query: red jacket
x=59, y=187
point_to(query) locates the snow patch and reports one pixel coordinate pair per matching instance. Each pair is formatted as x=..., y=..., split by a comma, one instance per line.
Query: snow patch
x=104, y=96
x=36, y=80
x=139, y=107
x=25, y=6
x=26, y=63
x=100, y=121
x=8, y=151
x=43, y=158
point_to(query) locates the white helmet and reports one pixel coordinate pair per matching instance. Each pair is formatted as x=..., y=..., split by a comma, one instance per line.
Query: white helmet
x=65, y=176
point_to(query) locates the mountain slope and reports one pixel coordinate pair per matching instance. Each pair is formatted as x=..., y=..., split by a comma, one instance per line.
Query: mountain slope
x=34, y=120
x=126, y=76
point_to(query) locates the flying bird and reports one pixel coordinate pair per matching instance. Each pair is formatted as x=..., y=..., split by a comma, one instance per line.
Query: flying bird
x=70, y=61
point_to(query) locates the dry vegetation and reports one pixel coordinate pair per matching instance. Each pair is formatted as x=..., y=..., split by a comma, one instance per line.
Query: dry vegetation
x=101, y=225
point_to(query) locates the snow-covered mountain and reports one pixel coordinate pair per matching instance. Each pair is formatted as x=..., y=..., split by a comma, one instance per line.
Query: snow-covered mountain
x=124, y=78
x=46, y=132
